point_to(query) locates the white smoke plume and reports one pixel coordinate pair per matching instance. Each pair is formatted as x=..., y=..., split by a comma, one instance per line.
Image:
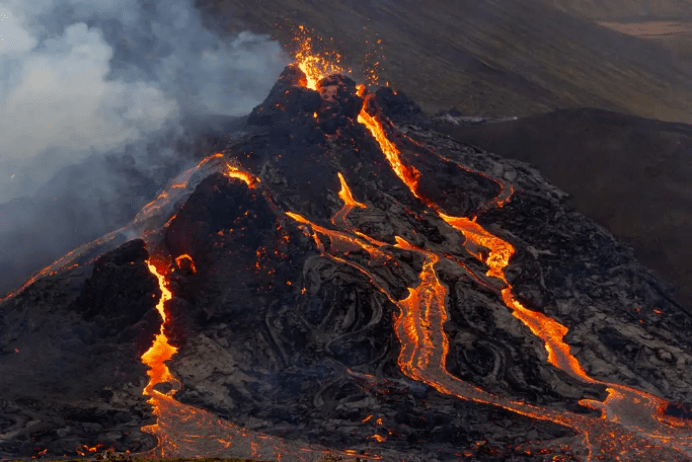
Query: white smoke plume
x=79, y=77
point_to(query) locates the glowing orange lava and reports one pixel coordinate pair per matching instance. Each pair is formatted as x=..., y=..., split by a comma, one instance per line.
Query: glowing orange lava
x=160, y=351
x=190, y=262
x=237, y=173
x=629, y=409
x=408, y=175
x=315, y=65
x=349, y=203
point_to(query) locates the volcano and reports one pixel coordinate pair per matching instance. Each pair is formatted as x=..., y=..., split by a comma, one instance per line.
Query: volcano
x=341, y=282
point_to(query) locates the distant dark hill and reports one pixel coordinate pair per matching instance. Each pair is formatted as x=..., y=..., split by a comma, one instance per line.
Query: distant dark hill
x=625, y=9
x=495, y=57
x=632, y=175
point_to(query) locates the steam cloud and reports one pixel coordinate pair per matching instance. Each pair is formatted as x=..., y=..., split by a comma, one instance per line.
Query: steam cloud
x=85, y=76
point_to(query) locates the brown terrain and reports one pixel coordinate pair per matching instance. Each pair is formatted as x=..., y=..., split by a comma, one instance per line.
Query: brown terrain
x=625, y=10
x=653, y=29
x=676, y=36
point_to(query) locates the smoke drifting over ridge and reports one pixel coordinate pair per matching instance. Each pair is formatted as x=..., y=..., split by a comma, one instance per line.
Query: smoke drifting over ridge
x=101, y=103
x=79, y=77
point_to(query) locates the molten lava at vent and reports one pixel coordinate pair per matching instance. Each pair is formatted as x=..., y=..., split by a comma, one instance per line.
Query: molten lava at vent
x=315, y=64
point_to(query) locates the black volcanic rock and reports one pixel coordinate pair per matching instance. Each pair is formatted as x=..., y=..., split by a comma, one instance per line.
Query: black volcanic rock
x=69, y=355
x=398, y=107
x=287, y=100
x=119, y=292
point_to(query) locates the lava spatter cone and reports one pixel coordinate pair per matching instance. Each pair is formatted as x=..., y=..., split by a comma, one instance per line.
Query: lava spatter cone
x=350, y=283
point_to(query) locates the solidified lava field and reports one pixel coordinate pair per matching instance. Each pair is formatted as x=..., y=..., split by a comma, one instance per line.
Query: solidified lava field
x=343, y=282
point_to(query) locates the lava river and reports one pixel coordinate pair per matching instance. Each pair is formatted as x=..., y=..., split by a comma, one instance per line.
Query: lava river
x=632, y=426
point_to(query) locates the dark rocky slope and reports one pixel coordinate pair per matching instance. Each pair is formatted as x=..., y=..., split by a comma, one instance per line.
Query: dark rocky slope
x=289, y=326
x=69, y=355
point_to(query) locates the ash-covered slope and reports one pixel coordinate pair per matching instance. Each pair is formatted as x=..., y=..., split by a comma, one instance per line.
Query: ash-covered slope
x=373, y=289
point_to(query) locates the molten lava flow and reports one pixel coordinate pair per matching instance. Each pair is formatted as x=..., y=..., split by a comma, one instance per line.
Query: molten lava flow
x=340, y=241
x=349, y=204
x=408, y=175
x=161, y=351
x=425, y=345
x=246, y=177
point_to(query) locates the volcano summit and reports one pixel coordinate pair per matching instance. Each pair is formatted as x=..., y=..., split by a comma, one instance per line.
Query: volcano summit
x=341, y=281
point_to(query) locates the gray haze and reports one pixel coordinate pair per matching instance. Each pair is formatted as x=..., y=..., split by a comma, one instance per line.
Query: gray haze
x=101, y=103
x=79, y=77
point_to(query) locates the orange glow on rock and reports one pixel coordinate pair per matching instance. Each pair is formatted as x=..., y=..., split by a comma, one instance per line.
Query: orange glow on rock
x=247, y=178
x=190, y=262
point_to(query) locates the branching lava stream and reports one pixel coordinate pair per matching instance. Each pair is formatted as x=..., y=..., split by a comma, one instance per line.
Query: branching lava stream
x=637, y=413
